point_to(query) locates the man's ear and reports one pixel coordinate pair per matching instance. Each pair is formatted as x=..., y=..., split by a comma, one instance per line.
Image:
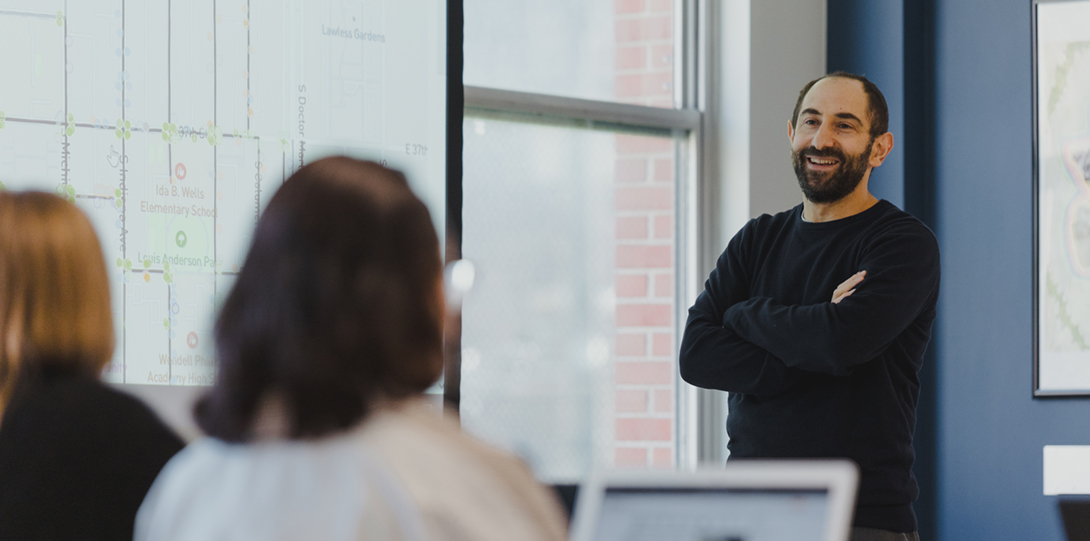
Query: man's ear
x=790, y=133
x=883, y=144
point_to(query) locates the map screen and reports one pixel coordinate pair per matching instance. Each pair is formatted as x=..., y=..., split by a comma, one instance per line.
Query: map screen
x=1063, y=120
x=172, y=123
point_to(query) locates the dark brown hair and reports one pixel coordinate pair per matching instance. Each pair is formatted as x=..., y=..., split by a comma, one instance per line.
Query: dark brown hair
x=54, y=290
x=339, y=303
x=876, y=102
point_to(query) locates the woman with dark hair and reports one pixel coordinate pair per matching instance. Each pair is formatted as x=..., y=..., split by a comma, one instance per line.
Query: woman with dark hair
x=318, y=428
x=76, y=457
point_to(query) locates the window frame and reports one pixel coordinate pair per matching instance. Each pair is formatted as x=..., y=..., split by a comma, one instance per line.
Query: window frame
x=696, y=410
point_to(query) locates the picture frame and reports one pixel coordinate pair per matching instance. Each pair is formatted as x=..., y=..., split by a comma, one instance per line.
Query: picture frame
x=1061, y=198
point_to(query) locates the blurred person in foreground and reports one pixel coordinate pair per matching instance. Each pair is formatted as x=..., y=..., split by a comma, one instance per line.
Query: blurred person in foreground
x=317, y=425
x=76, y=457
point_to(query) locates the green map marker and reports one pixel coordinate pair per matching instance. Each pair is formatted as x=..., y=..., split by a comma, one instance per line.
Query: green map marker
x=181, y=239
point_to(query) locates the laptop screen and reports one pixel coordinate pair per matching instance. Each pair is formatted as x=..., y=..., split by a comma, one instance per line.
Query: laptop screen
x=712, y=514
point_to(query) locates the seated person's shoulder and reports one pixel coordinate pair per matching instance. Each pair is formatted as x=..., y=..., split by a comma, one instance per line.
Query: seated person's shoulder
x=81, y=405
x=454, y=477
x=417, y=426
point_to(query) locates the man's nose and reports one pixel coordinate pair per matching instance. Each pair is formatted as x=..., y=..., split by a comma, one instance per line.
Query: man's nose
x=823, y=137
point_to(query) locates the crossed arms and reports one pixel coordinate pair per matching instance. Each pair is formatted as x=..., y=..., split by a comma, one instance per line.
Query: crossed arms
x=756, y=345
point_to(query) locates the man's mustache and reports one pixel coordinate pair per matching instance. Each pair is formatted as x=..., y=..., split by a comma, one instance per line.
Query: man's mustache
x=826, y=153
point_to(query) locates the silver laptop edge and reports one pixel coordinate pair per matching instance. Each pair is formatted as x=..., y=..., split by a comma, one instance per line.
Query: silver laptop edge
x=838, y=478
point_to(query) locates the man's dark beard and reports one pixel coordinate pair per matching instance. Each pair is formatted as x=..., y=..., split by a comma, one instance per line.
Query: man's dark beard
x=830, y=187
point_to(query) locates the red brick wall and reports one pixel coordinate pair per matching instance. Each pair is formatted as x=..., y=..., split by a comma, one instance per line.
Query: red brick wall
x=645, y=367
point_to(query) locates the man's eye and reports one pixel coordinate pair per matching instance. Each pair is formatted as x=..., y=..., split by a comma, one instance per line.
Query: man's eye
x=809, y=122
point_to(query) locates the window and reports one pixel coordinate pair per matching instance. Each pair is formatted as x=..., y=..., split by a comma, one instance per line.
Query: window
x=609, y=50
x=579, y=164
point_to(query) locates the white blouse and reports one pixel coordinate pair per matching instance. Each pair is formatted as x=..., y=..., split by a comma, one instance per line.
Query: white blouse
x=406, y=473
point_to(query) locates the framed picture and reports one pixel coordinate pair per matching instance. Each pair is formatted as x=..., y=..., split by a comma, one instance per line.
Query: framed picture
x=1061, y=197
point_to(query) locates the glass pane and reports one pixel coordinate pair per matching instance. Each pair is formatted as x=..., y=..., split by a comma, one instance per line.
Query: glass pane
x=611, y=50
x=568, y=335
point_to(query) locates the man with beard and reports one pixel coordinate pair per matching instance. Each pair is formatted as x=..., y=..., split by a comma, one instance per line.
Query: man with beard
x=816, y=319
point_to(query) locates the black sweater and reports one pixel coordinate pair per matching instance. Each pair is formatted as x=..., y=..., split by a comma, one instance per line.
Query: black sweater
x=76, y=459
x=809, y=378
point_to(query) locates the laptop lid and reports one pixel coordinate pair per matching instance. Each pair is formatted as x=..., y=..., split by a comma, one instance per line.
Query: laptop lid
x=751, y=500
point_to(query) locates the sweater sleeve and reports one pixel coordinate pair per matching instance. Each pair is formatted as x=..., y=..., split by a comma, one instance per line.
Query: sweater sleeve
x=902, y=275
x=715, y=357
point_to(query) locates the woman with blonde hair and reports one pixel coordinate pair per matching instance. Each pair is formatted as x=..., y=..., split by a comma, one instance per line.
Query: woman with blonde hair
x=76, y=457
x=318, y=426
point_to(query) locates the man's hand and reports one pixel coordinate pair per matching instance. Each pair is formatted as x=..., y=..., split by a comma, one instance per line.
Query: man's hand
x=845, y=290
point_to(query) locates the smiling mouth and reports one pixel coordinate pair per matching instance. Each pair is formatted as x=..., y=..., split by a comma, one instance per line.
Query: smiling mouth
x=822, y=162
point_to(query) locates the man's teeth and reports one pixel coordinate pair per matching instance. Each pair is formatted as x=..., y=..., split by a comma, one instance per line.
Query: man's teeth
x=820, y=161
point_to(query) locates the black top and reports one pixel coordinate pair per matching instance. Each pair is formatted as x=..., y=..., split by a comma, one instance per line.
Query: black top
x=76, y=459
x=809, y=378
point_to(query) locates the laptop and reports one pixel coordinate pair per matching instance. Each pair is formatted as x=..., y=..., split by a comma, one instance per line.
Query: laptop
x=750, y=500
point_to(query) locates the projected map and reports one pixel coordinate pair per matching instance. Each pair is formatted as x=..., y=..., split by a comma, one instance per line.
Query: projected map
x=1063, y=111
x=172, y=123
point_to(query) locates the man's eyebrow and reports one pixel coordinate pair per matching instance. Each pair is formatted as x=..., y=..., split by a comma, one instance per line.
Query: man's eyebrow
x=846, y=116
x=849, y=116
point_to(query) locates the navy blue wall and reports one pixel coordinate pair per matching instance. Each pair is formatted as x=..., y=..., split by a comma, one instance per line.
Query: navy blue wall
x=966, y=97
